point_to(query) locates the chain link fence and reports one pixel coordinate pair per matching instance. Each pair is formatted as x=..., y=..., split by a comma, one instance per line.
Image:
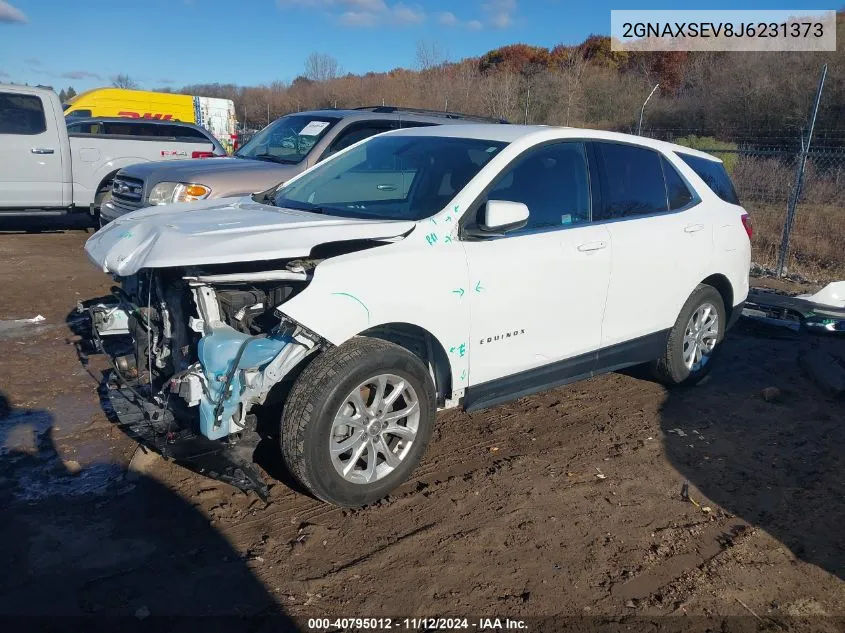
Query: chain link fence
x=765, y=181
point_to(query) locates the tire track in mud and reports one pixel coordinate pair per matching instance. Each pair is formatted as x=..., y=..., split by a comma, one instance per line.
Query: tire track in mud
x=469, y=444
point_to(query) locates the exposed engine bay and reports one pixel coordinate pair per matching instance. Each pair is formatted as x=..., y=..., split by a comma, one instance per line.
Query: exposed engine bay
x=206, y=344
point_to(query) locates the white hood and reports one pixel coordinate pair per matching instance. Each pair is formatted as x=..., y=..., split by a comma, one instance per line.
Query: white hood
x=222, y=231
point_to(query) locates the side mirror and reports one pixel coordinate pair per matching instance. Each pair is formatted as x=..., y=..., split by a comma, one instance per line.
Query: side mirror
x=501, y=216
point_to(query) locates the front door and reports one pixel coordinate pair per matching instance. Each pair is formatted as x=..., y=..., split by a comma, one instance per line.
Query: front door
x=537, y=294
x=30, y=154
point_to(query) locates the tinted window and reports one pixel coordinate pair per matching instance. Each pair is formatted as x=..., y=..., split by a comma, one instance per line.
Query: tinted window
x=78, y=114
x=390, y=177
x=676, y=189
x=633, y=181
x=355, y=133
x=713, y=173
x=552, y=182
x=21, y=114
x=185, y=132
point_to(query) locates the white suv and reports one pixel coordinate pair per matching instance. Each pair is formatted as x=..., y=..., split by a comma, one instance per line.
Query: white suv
x=419, y=270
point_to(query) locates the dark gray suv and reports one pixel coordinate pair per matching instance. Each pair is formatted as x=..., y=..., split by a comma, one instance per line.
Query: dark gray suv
x=281, y=150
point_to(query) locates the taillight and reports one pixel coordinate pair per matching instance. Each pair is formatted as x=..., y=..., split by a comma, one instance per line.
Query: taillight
x=746, y=222
x=202, y=154
x=236, y=144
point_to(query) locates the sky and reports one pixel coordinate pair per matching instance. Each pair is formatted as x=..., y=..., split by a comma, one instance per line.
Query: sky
x=173, y=43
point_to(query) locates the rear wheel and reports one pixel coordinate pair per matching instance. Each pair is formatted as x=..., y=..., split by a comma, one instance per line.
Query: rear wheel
x=357, y=421
x=694, y=340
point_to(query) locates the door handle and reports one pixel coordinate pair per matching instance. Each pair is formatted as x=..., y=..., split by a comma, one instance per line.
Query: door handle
x=693, y=228
x=386, y=187
x=591, y=246
x=42, y=150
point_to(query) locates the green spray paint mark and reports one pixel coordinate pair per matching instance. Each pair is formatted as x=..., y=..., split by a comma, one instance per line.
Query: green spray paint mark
x=479, y=287
x=354, y=298
x=447, y=239
x=460, y=350
x=126, y=235
x=431, y=238
x=459, y=292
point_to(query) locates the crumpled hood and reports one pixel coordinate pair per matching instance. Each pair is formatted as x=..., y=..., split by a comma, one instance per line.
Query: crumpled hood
x=222, y=231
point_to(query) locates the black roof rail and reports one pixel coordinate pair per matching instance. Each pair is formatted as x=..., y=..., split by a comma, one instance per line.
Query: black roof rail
x=449, y=115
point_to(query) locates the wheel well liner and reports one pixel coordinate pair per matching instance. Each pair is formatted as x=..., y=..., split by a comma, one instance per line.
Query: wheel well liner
x=422, y=344
x=723, y=285
x=107, y=178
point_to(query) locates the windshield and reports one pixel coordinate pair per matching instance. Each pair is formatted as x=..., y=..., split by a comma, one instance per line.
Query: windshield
x=390, y=177
x=287, y=140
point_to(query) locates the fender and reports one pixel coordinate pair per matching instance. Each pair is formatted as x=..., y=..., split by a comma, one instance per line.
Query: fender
x=84, y=192
x=411, y=281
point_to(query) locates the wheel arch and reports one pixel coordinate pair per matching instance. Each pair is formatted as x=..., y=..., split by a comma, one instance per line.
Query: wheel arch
x=724, y=287
x=422, y=344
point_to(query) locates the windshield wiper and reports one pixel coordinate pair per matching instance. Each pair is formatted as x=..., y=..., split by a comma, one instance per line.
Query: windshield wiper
x=308, y=209
x=272, y=158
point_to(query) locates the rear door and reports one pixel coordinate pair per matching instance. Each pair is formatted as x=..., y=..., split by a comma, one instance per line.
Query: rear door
x=31, y=173
x=661, y=242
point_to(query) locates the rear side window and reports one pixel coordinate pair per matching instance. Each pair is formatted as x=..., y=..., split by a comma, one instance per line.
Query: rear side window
x=677, y=191
x=713, y=173
x=21, y=114
x=632, y=179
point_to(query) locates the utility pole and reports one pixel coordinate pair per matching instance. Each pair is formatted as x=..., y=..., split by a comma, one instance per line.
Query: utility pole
x=268, y=113
x=642, y=110
x=799, y=180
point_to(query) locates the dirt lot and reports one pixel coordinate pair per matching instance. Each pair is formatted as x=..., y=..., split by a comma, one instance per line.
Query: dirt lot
x=567, y=503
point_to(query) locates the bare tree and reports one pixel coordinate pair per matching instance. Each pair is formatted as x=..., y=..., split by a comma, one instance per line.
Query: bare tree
x=430, y=55
x=124, y=81
x=321, y=67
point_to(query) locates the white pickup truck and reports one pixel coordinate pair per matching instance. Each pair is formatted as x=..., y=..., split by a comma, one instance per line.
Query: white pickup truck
x=44, y=170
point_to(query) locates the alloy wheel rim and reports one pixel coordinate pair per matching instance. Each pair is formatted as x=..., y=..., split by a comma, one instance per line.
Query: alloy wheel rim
x=700, y=336
x=374, y=429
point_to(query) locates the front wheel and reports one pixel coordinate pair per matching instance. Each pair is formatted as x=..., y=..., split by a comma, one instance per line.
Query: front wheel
x=357, y=421
x=694, y=340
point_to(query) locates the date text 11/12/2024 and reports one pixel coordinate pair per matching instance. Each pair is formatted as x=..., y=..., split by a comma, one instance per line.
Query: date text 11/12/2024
x=415, y=624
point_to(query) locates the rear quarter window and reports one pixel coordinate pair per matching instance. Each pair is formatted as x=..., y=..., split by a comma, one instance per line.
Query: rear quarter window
x=713, y=173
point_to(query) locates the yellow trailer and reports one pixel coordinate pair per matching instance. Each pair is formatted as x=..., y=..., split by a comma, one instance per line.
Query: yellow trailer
x=215, y=115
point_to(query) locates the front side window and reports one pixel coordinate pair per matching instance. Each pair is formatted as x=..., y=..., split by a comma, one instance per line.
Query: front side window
x=21, y=114
x=714, y=174
x=632, y=181
x=552, y=182
x=390, y=177
x=287, y=140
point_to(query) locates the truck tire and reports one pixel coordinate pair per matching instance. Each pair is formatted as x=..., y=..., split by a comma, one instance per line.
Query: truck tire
x=694, y=340
x=357, y=421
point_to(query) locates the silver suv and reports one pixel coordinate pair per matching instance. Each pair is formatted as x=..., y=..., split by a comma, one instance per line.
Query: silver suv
x=283, y=149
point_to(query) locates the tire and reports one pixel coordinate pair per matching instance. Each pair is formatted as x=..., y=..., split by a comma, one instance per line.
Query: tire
x=672, y=368
x=322, y=400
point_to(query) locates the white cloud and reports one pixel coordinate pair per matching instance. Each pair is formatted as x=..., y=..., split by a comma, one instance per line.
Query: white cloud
x=80, y=74
x=499, y=13
x=361, y=13
x=358, y=19
x=447, y=18
x=403, y=14
x=474, y=25
x=11, y=15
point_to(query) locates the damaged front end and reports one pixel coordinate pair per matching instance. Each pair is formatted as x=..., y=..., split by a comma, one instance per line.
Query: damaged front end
x=196, y=349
